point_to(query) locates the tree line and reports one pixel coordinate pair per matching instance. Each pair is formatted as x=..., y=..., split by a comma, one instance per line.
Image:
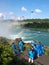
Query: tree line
x=37, y=23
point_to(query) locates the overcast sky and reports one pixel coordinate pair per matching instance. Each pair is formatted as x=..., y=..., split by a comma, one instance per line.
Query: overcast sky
x=26, y=8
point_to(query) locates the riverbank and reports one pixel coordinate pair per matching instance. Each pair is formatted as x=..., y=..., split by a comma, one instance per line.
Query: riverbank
x=37, y=26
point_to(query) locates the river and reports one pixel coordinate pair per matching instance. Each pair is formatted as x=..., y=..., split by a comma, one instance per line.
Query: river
x=30, y=35
x=7, y=30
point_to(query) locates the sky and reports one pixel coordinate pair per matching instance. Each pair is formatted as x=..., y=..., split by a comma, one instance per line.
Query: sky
x=27, y=8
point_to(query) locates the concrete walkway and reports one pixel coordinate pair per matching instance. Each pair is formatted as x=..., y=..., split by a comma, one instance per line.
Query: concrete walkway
x=42, y=60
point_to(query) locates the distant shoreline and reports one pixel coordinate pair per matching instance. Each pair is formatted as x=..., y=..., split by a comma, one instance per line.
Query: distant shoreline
x=39, y=29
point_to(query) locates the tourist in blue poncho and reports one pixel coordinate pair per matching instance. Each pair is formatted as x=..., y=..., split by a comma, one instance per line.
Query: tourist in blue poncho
x=14, y=48
x=31, y=55
x=21, y=47
x=36, y=49
x=41, y=48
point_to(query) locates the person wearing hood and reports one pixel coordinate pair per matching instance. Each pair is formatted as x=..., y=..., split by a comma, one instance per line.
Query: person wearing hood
x=41, y=48
x=31, y=55
x=14, y=47
x=37, y=50
x=21, y=46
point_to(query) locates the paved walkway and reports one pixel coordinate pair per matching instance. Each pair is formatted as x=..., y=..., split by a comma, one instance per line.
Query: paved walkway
x=42, y=60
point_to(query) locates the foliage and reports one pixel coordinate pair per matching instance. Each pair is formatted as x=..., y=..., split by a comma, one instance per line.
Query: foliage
x=8, y=58
x=6, y=54
x=3, y=40
x=47, y=50
x=37, y=20
x=37, y=23
x=27, y=46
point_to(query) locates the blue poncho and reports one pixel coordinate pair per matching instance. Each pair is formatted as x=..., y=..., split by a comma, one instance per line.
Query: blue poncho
x=31, y=54
x=15, y=48
x=39, y=49
x=21, y=46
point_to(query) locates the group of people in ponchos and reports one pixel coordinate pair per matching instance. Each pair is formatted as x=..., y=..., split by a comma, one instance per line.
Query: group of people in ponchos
x=35, y=51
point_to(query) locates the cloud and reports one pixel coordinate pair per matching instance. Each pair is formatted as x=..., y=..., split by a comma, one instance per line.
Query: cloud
x=38, y=11
x=11, y=13
x=20, y=18
x=2, y=16
x=23, y=9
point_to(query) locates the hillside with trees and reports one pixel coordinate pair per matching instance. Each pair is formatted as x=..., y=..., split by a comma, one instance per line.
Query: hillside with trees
x=37, y=23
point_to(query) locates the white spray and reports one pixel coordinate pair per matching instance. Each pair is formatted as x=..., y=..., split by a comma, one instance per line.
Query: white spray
x=5, y=30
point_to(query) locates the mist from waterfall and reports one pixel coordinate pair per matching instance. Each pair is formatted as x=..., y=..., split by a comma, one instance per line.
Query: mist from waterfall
x=5, y=29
